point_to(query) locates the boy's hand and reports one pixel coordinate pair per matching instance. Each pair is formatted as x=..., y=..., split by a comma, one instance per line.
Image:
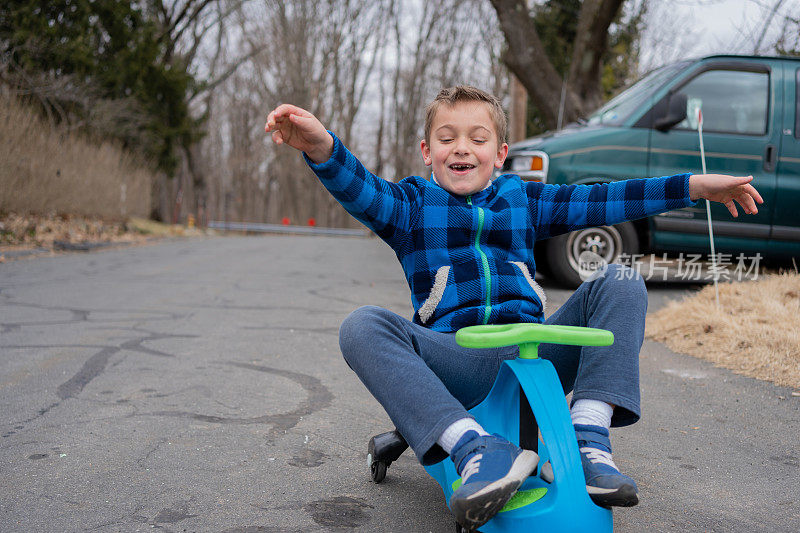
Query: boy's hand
x=300, y=129
x=726, y=189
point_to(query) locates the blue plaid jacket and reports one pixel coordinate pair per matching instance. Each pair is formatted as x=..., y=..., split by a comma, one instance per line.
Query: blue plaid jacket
x=469, y=260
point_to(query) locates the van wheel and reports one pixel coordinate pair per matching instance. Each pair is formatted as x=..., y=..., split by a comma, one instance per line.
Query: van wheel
x=575, y=256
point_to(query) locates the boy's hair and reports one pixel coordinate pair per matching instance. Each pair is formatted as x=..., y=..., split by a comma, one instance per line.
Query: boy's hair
x=467, y=93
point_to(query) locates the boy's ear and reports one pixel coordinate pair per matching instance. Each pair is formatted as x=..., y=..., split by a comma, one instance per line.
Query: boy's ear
x=502, y=152
x=426, y=153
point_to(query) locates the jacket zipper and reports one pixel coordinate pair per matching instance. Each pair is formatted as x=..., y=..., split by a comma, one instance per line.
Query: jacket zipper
x=487, y=310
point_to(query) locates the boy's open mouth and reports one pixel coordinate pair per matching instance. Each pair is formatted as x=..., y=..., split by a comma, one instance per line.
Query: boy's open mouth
x=460, y=167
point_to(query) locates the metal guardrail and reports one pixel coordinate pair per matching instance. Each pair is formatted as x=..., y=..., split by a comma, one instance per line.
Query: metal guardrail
x=280, y=228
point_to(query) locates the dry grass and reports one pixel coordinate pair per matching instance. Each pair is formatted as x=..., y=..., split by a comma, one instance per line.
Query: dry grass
x=33, y=232
x=756, y=331
x=49, y=171
x=29, y=231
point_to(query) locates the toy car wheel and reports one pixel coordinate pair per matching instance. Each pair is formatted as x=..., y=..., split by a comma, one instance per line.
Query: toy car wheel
x=575, y=256
x=377, y=470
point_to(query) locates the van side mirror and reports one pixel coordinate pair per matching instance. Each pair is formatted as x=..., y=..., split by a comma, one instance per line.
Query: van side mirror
x=675, y=115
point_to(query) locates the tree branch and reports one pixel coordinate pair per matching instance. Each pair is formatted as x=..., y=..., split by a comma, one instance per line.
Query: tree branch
x=211, y=85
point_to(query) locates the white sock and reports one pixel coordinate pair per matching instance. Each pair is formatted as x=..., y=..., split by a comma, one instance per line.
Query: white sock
x=456, y=430
x=591, y=412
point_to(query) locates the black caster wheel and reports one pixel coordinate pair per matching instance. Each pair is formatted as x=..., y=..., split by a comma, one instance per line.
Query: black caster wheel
x=382, y=450
x=377, y=470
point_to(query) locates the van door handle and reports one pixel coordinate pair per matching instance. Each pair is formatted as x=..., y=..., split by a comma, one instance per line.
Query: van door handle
x=770, y=157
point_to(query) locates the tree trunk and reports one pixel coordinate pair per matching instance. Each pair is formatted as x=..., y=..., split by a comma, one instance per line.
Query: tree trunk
x=518, y=113
x=528, y=60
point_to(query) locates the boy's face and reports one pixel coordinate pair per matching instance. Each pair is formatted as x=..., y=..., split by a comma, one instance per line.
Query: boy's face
x=464, y=149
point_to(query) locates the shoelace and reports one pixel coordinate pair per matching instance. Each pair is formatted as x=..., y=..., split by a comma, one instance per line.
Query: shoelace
x=472, y=467
x=599, y=456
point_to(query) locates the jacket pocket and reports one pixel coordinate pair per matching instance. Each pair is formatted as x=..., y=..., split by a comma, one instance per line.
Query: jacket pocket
x=523, y=268
x=437, y=291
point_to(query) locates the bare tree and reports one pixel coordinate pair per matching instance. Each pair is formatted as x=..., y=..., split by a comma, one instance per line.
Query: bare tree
x=191, y=33
x=761, y=27
x=789, y=40
x=367, y=73
x=765, y=33
x=436, y=44
x=322, y=67
x=665, y=38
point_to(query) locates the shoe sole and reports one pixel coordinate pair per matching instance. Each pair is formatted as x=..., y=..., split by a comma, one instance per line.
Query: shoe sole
x=624, y=496
x=478, y=508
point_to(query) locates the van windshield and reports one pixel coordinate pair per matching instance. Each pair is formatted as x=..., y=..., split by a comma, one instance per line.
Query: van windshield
x=619, y=108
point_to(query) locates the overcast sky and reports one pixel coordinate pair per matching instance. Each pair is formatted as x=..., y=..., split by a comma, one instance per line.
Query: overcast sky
x=725, y=18
x=691, y=28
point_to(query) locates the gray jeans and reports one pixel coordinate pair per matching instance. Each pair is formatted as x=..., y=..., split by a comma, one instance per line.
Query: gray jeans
x=425, y=381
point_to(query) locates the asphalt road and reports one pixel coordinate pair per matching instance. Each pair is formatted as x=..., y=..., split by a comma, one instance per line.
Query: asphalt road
x=197, y=385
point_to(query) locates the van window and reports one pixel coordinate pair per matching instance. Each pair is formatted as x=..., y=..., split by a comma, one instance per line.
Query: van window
x=615, y=111
x=732, y=101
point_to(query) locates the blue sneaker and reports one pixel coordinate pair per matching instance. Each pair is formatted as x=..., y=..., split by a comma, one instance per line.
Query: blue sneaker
x=491, y=470
x=606, y=485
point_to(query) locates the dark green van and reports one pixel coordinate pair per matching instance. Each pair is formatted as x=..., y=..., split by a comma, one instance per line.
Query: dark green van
x=751, y=126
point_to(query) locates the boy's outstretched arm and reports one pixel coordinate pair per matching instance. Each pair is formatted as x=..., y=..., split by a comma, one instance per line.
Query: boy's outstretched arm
x=385, y=207
x=559, y=209
x=300, y=129
x=726, y=189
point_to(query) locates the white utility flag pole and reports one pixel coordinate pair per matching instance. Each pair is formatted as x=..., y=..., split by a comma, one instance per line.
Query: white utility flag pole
x=708, y=205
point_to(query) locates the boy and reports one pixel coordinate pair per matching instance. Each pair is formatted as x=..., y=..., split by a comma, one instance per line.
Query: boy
x=466, y=246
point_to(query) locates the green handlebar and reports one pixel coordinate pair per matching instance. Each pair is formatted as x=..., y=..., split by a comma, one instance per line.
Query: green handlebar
x=529, y=336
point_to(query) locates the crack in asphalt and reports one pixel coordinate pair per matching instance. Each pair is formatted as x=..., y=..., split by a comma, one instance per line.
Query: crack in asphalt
x=93, y=367
x=318, y=397
x=81, y=315
x=317, y=293
x=97, y=363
